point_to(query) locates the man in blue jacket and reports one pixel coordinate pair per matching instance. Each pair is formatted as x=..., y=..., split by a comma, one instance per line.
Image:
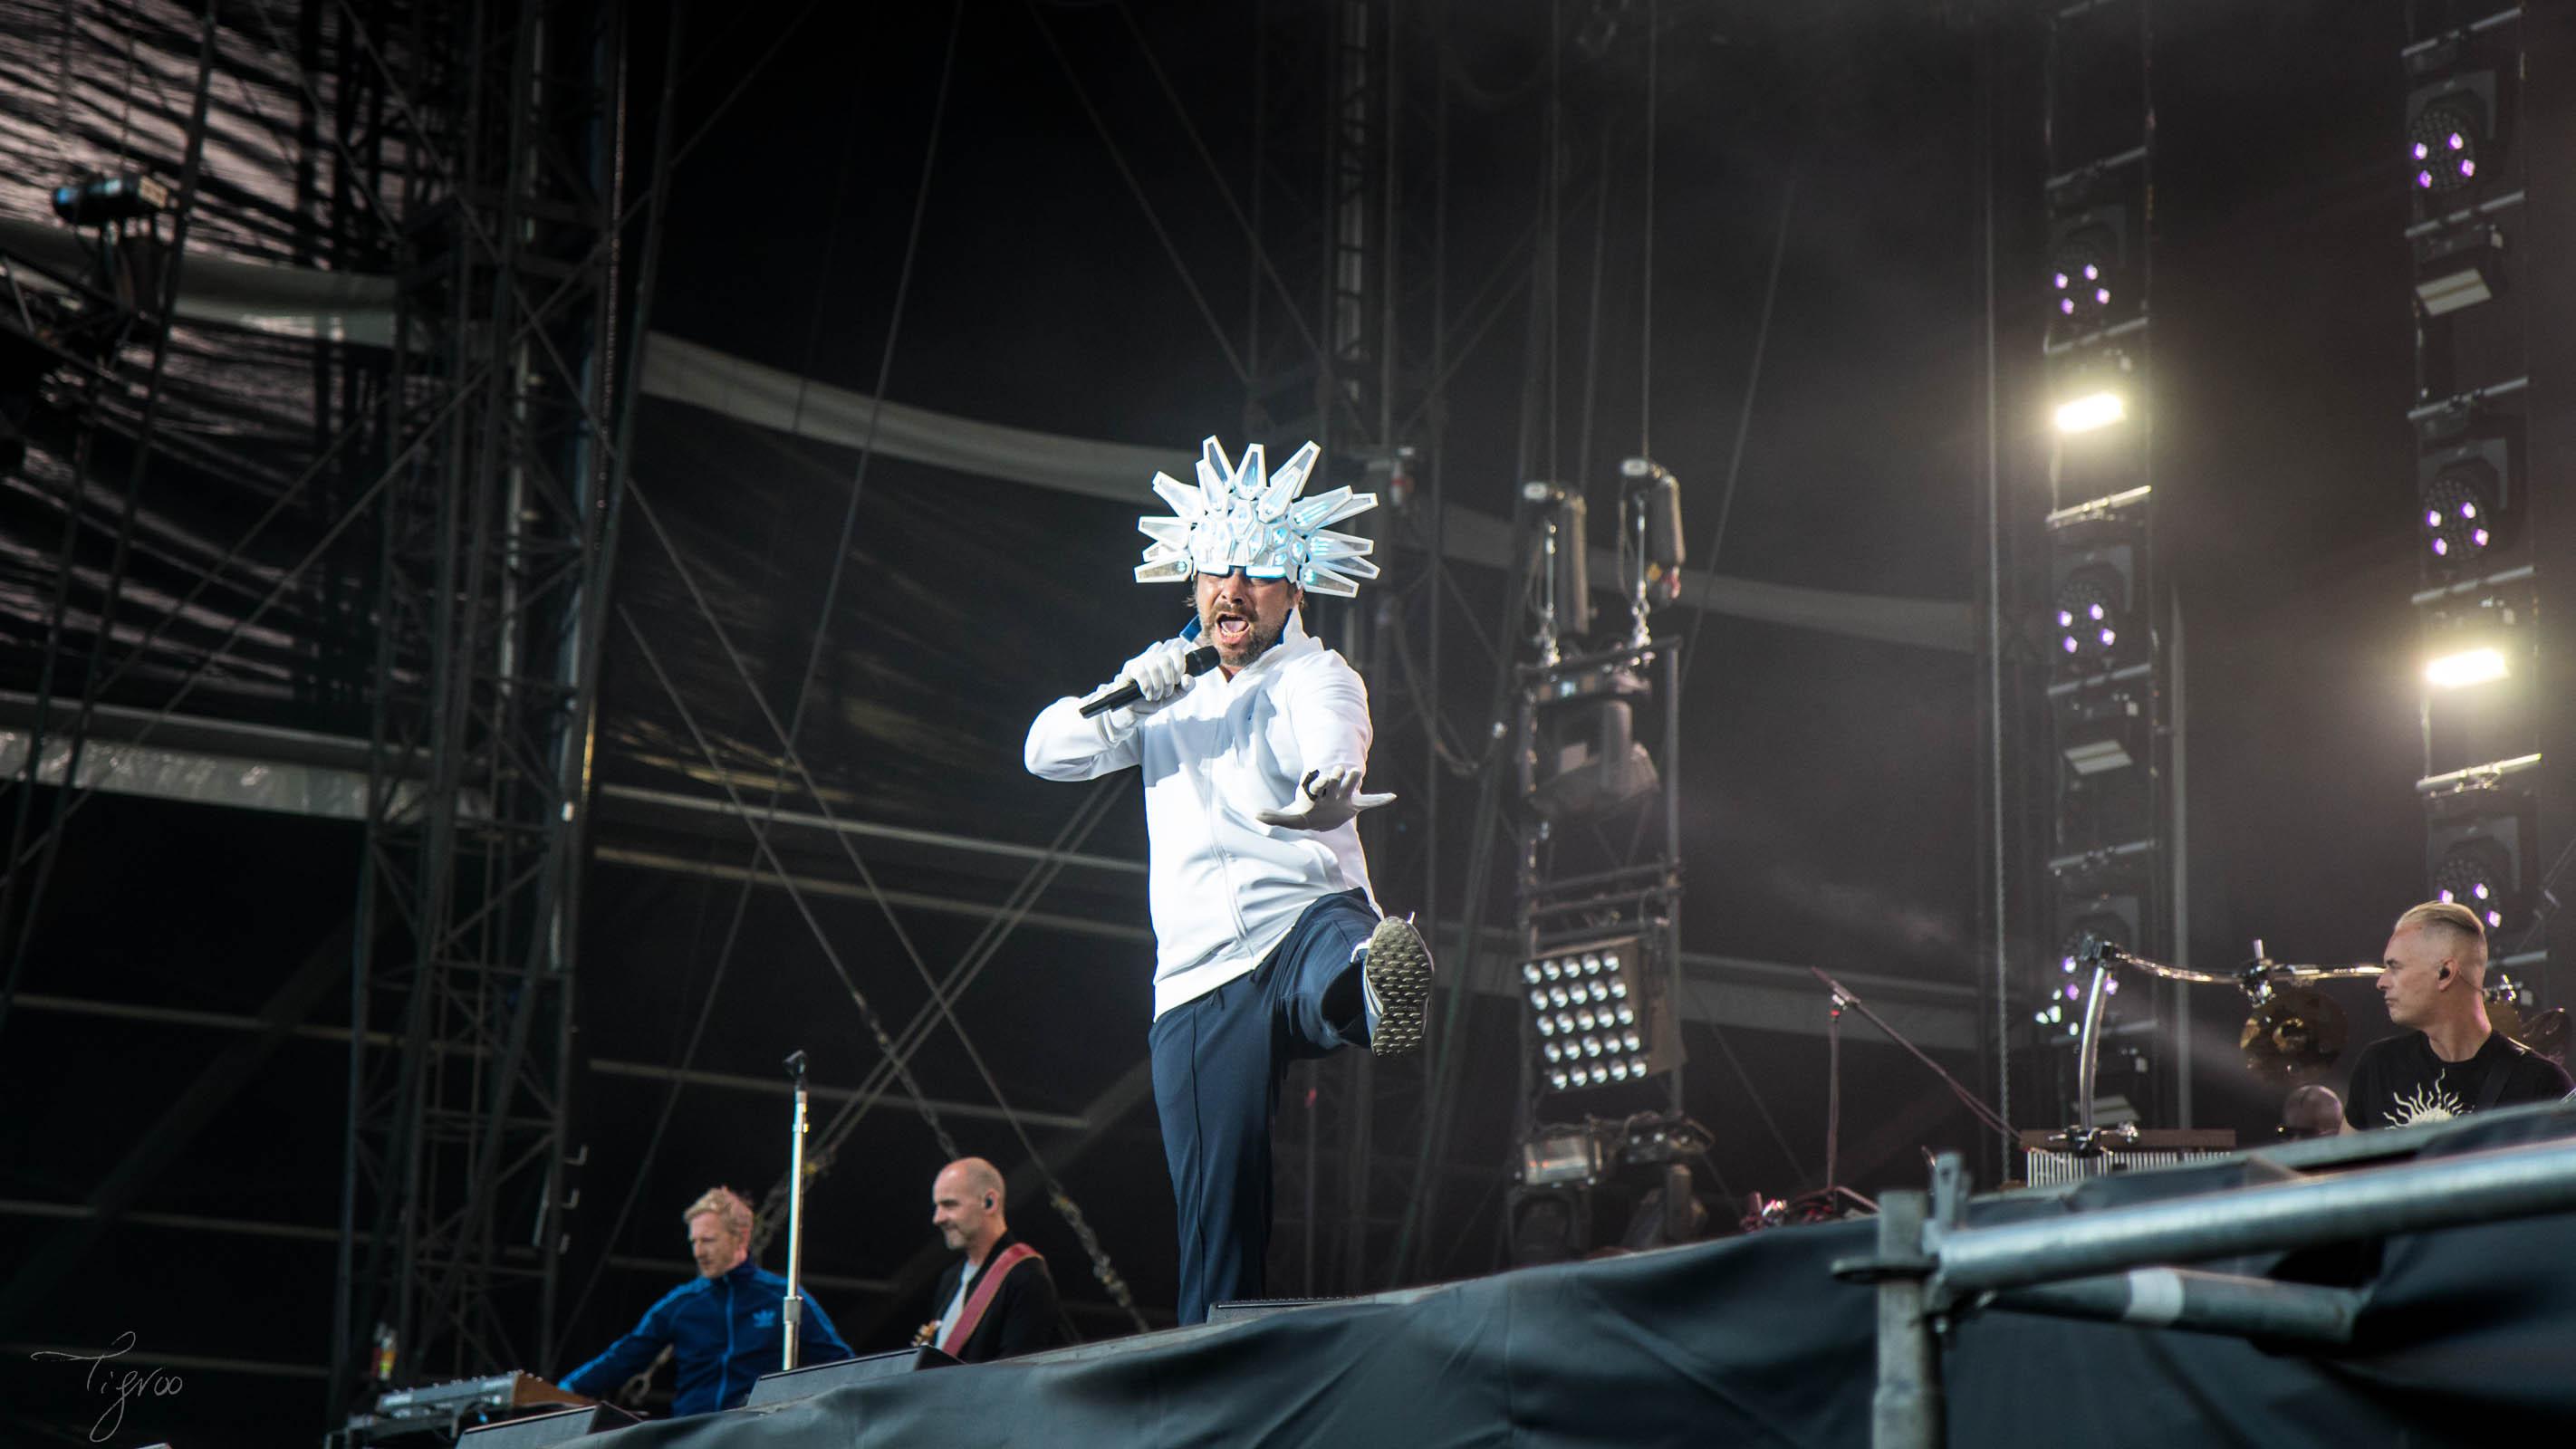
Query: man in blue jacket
x=722, y=1329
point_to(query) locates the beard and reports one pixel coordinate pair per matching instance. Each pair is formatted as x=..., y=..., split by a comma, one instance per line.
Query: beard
x=1258, y=638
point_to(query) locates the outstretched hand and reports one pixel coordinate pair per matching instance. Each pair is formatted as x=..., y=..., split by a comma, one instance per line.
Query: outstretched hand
x=1326, y=800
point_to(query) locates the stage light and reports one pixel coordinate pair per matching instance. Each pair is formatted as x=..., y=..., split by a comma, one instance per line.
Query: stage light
x=1584, y=761
x=1612, y=1015
x=2099, y=731
x=1650, y=525
x=2474, y=854
x=2091, y=606
x=2458, y=269
x=1562, y=1154
x=1549, y=1224
x=2448, y=137
x=2091, y=411
x=1557, y=536
x=102, y=200
x=2469, y=666
x=1530, y=972
x=2087, y=278
x=2464, y=490
x=2476, y=874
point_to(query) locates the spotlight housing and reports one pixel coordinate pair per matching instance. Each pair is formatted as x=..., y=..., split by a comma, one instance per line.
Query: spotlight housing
x=2088, y=614
x=2087, y=281
x=2459, y=268
x=2474, y=854
x=107, y=200
x=2465, y=493
x=2451, y=142
x=1600, y=1045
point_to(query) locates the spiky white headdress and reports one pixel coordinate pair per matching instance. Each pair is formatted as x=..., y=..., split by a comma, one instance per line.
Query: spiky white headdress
x=1240, y=516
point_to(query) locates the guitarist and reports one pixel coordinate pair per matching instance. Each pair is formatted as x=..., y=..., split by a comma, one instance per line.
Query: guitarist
x=999, y=1300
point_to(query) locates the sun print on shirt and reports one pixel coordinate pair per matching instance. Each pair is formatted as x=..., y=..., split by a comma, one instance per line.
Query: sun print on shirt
x=2432, y=1102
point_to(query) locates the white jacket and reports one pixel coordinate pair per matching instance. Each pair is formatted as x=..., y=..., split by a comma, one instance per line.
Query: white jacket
x=1225, y=888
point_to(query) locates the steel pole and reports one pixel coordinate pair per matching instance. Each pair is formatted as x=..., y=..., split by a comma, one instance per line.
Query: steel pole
x=2197, y=1302
x=1907, y=1411
x=2490, y=1186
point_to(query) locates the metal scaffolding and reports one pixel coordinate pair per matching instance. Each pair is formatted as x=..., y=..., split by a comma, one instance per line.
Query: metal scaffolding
x=498, y=413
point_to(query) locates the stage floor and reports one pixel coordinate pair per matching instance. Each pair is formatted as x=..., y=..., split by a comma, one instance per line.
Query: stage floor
x=2469, y=1337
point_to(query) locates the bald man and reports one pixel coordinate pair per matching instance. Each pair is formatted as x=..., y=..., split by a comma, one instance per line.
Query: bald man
x=998, y=1301
x=2453, y=1061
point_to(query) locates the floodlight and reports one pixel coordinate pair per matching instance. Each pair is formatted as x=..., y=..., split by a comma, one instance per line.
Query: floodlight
x=1563, y=1154
x=2458, y=269
x=2467, y=667
x=2098, y=732
x=2091, y=411
x=1615, y=1027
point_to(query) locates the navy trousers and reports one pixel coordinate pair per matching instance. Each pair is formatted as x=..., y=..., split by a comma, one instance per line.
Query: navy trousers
x=1218, y=1062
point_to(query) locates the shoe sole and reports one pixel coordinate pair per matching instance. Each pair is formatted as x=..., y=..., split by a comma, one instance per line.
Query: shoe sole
x=1399, y=970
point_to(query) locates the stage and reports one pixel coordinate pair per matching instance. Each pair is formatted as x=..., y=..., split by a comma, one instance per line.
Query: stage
x=2464, y=1337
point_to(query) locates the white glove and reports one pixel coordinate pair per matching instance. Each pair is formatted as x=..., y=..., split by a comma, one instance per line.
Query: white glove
x=1326, y=799
x=1161, y=672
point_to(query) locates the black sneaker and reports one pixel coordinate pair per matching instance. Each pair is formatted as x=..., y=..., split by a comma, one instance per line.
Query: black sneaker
x=1397, y=977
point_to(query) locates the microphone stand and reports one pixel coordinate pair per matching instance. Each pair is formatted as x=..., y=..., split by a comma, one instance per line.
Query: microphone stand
x=2258, y=978
x=791, y=1313
x=1986, y=1116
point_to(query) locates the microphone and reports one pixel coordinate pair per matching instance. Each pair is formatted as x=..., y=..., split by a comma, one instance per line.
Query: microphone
x=1197, y=661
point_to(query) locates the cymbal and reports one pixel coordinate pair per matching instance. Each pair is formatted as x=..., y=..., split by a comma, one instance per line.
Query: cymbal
x=2545, y=1032
x=2505, y=1016
x=2294, y=1036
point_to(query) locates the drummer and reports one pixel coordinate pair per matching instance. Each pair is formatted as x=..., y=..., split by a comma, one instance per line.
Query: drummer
x=2451, y=1060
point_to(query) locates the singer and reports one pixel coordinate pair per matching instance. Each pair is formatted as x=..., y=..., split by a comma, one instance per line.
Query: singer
x=1269, y=942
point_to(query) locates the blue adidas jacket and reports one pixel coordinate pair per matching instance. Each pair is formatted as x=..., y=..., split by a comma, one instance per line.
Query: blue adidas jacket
x=723, y=1333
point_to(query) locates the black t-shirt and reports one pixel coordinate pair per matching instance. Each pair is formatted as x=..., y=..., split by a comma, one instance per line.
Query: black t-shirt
x=2398, y=1082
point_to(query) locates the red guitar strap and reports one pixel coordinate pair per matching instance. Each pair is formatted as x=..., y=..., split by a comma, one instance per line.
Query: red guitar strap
x=982, y=1298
